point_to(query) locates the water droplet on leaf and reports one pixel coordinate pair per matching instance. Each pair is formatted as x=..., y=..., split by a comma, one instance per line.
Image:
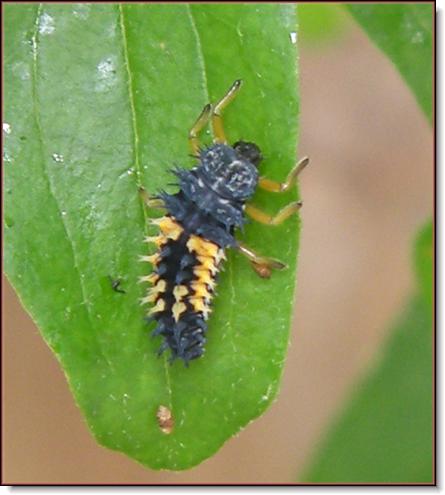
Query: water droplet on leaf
x=46, y=24
x=58, y=158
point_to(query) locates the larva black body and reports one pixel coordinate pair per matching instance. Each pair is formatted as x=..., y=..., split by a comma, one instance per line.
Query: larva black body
x=199, y=225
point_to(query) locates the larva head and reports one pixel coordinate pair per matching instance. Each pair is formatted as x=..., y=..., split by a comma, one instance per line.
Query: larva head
x=229, y=173
x=248, y=151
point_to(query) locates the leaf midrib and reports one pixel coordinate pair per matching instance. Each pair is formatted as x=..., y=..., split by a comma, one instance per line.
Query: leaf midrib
x=137, y=164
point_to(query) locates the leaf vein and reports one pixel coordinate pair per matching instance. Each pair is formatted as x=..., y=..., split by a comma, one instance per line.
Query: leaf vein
x=200, y=52
x=137, y=164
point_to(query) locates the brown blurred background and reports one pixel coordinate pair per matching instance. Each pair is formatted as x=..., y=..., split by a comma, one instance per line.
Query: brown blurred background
x=368, y=189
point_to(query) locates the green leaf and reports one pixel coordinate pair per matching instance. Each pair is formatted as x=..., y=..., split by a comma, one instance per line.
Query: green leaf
x=321, y=23
x=384, y=433
x=424, y=255
x=99, y=99
x=404, y=32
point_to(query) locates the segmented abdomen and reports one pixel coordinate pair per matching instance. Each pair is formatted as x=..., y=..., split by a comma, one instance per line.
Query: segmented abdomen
x=183, y=280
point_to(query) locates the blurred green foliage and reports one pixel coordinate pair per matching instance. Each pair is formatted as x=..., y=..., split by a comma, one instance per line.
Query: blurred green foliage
x=320, y=23
x=384, y=432
x=404, y=32
x=424, y=256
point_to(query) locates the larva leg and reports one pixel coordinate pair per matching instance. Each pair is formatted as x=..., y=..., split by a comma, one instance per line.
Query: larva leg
x=217, y=122
x=263, y=266
x=201, y=121
x=283, y=214
x=272, y=186
x=149, y=201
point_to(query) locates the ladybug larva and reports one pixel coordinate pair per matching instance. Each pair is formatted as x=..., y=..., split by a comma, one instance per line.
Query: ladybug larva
x=199, y=225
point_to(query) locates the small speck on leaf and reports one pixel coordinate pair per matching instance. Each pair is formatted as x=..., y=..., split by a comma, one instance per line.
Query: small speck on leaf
x=165, y=419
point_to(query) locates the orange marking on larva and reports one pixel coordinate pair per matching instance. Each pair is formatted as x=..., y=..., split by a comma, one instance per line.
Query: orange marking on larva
x=165, y=419
x=220, y=256
x=211, y=285
x=179, y=292
x=159, y=240
x=166, y=224
x=151, y=279
x=155, y=221
x=202, y=247
x=203, y=276
x=201, y=290
x=153, y=258
x=174, y=234
x=154, y=292
x=160, y=306
x=208, y=263
x=210, y=248
x=177, y=310
x=206, y=312
x=169, y=228
x=158, y=288
x=193, y=243
x=149, y=298
x=198, y=304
